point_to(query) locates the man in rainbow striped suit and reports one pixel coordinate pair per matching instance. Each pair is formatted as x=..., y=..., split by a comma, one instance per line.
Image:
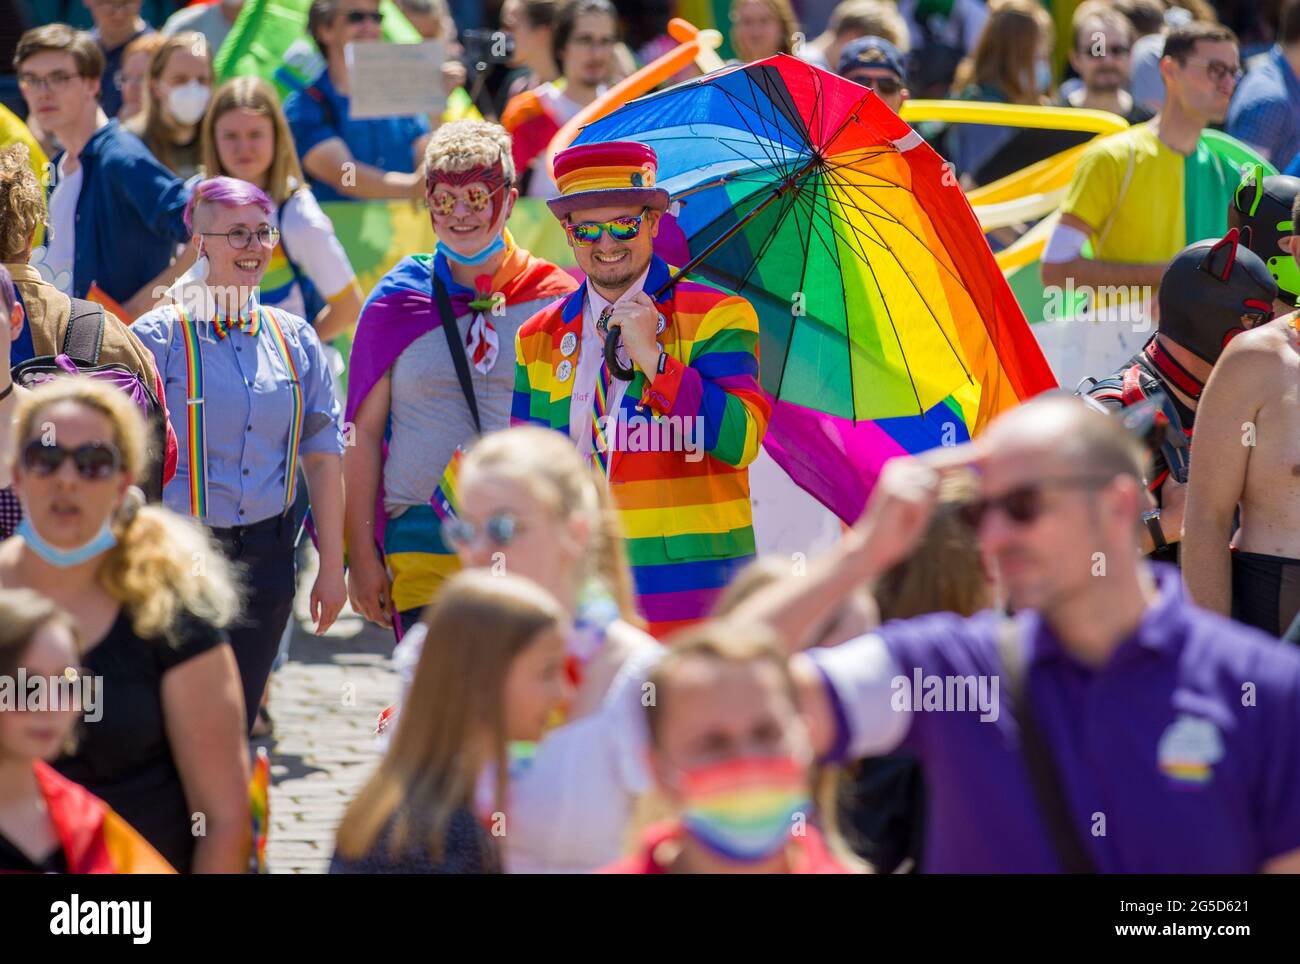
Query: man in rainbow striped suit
x=675, y=441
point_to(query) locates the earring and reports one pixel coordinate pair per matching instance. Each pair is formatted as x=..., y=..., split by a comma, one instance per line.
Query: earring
x=132, y=502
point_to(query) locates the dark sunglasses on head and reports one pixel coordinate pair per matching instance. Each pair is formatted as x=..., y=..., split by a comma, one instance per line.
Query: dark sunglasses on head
x=94, y=460
x=361, y=16
x=1024, y=504
x=500, y=529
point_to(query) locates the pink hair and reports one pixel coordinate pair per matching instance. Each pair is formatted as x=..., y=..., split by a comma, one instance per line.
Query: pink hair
x=229, y=192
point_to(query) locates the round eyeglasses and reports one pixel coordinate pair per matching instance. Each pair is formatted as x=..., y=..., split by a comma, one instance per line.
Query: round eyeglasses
x=240, y=238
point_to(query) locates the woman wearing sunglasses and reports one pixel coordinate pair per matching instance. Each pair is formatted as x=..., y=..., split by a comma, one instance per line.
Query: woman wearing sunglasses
x=433, y=366
x=150, y=597
x=530, y=505
x=259, y=400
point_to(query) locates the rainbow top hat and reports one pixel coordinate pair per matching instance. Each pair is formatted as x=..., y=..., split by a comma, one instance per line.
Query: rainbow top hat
x=606, y=175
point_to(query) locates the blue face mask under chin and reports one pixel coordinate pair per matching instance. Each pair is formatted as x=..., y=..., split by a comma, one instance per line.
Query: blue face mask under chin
x=497, y=245
x=66, y=558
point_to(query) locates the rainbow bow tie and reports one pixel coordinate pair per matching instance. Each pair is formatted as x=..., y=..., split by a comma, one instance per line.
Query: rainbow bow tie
x=249, y=324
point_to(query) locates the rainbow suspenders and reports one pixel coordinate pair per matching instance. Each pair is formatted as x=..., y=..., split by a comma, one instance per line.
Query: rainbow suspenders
x=196, y=414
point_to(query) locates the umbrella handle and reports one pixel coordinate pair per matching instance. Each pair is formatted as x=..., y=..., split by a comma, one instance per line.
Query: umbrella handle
x=611, y=339
x=611, y=357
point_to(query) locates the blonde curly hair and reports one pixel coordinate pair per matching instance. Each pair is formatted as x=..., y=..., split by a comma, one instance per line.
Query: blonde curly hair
x=465, y=144
x=164, y=566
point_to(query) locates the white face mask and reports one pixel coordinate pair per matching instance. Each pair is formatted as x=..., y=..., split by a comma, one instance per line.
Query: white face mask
x=188, y=102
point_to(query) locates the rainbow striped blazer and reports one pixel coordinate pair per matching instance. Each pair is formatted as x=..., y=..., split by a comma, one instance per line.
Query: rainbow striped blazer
x=685, y=509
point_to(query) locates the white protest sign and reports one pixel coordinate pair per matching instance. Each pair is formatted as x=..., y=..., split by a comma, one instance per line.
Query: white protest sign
x=395, y=80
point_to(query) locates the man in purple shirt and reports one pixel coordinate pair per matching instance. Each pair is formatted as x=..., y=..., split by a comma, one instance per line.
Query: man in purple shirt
x=1173, y=733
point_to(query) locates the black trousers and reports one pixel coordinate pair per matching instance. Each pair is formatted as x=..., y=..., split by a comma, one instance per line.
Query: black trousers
x=1265, y=591
x=264, y=552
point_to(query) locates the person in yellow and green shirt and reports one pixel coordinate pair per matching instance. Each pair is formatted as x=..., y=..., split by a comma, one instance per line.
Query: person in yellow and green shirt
x=1142, y=195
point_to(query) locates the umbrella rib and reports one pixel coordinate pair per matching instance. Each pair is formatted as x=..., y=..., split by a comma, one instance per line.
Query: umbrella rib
x=902, y=352
x=717, y=242
x=849, y=116
x=813, y=208
x=774, y=161
x=916, y=288
x=771, y=92
x=935, y=318
x=847, y=337
x=789, y=342
x=804, y=242
x=786, y=208
x=765, y=187
x=883, y=214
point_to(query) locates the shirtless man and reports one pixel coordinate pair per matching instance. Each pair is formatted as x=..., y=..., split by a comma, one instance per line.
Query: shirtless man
x=1249, y=419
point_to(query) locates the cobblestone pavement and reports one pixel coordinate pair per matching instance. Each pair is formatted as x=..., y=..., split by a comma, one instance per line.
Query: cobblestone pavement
x=324, y=701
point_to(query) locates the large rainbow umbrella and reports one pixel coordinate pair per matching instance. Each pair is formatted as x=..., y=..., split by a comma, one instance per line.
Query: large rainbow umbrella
x=885, y=324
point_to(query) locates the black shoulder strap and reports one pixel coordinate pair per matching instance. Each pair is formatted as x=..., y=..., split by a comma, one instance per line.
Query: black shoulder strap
x=455, y=347
x=1046, y=781
x=85, y=335
x=326, y=108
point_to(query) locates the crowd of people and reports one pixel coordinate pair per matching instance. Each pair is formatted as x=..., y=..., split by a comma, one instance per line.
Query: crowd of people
x=1068, y=645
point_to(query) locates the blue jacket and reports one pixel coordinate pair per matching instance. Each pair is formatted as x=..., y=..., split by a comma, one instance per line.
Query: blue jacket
x=130, y=215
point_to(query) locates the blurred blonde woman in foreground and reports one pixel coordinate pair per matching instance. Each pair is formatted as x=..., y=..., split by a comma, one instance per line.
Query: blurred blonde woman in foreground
x=530, y=505
x=150, y=597
x=491, y=671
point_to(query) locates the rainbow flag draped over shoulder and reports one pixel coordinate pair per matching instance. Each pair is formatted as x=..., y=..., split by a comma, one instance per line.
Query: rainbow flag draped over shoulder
x=399, y=310
x=95, y=840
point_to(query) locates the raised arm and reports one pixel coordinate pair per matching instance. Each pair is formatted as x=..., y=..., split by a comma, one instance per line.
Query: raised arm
x=896, y=515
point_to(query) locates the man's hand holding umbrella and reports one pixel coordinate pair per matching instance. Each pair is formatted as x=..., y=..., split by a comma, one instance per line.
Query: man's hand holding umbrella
x=636, y=319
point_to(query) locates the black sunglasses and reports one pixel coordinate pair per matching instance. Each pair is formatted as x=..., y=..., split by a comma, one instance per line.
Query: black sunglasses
x=361, y=16
x=1024, y=504
x=95, y=461
x=881, y=85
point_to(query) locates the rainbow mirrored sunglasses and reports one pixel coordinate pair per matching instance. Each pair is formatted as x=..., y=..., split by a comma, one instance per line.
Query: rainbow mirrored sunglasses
x=587, y=233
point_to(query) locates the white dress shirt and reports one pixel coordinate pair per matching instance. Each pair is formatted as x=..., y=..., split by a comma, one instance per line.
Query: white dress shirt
x=588, y=366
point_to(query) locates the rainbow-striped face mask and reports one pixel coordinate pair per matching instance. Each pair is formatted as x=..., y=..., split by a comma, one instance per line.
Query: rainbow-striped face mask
x=745, y=809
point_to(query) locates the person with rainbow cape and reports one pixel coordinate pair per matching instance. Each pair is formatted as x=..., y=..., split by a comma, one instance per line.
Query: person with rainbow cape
x=419, y=389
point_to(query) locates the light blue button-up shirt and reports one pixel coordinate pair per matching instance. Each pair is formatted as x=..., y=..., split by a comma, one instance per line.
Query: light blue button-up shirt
x=248, y=411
